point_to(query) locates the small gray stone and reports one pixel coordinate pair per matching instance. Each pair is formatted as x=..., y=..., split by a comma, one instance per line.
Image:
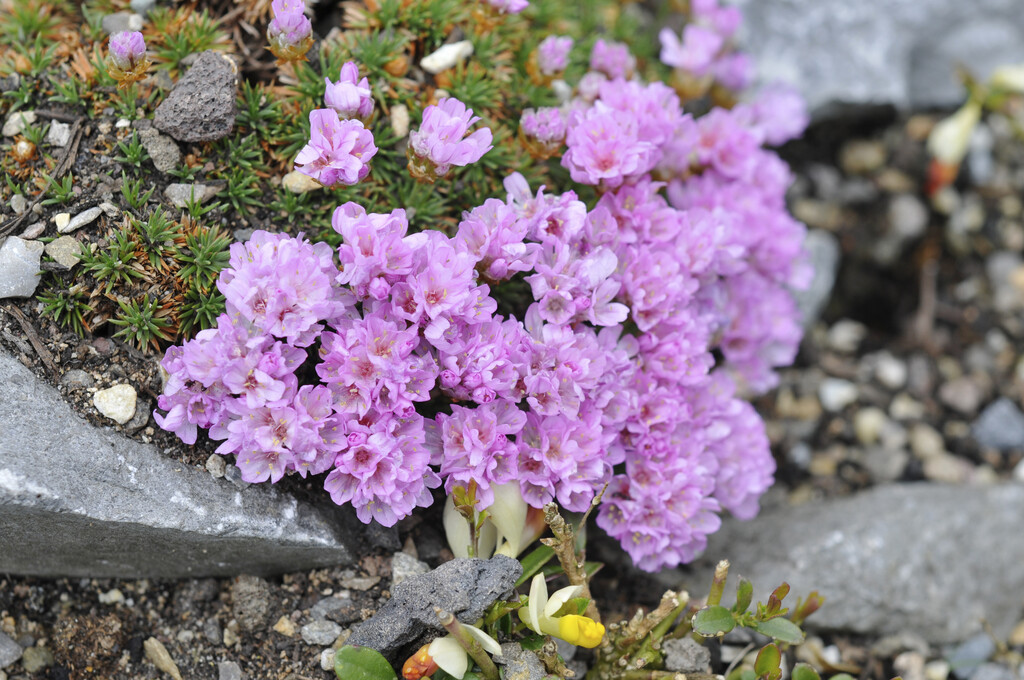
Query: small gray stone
x=908, y=217
x=836, y=394
x=327, y=659
x=59, y=134
x=405, y=566
x=846, y=335
x=181, y=194
x=64, y=251
x=464, y=587
x=201, y=107
x=250, y=602
x=962, y=394
x=19, y=267
x=121, y=21
x=216, y=465
x=19, y=204
x=33, y=231
x=35, y=659
x=969, y=655
x=1000, y=426
x=320, y=632
x=994, y=671
x=823, y=249
x=143, y=409
x=885, y=465
x=890, y=371
x=519, y=663
x=142, y=6
x=17, y=122
x=1001, y=268
x=163, y=150
x=685, y=655
x=336, y=608
x=80, y=220
x=77, y=379
x=229, y=670
x=211, y=630
x=10, y=651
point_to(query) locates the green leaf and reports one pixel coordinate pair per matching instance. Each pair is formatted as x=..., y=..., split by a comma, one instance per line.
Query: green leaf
x=768, y=663
x=712, y=621
x=802, y=671
x=780, y=629
x=744, y=595
x=534, y=562
x=847, y=676
x=532, y=641
x=362, y=663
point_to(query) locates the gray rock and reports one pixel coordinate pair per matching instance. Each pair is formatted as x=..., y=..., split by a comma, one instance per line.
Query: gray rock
x=10, y=651
x=994, y=671
x=64, y=251
x=908, y=217
x=35, y=659
x=823, y=249
x=250, y=602
x=962, y=394
x=229, y=670
x=968, y=656
x=1001, y=266
x=201, y=107
x=163, y=150
x=16, y=122
x=181, y=194
x=77, y=379
x=80, y=220
x=76, y=500
x=19, y=267
x=142, y=6
x=122, y=21
x=320, y=632
x=19, y=204
x=519, y=663
x=900, y=52
x=686, y=655
x=1000, y=426
x=336, y=608
x=59, y=134
x=896, y=558
x=33, y=231
x=211, y=630
x=464, y=587
x=405, y=566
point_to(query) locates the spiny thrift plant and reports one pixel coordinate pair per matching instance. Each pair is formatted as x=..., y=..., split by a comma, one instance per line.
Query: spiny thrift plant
x=600, y=276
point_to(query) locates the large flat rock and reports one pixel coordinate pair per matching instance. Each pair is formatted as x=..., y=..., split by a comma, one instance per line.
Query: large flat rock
x=899, y=52
x=929, y=558
x=77, y=500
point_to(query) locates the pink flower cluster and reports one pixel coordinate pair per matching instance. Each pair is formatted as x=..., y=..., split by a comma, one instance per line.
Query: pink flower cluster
x=441, y=142
x=650, y=311
x=703, y=49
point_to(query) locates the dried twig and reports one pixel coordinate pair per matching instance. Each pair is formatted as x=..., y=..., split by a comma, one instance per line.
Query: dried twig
x=33, y=338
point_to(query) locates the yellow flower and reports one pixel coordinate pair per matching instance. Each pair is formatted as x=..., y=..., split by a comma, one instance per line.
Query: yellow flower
x=539, y=616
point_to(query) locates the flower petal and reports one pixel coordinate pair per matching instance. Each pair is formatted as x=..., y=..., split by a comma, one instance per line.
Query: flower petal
x=449, y=655
x=559, y=598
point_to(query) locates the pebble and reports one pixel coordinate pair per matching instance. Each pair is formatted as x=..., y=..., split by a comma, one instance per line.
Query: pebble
x=158, y=654
x=59, y=134
x=77, y=379
x=890, y=371
x=926, y=442
x=216, y=465
x=162, y=150
x=33, y=231
x=327, y=659
x=446, y=56
x=936, y=670
x=1016, y=638
x=1000, y=268
x=250, y=602
x=836, y=394
x=970, y=654
x=320, y=632
x=142, y=6
x=110, y=210
x=64, y=251
x=62, y=220
x=962, y=394
x=299, y=183
x=360, y=582
x=685, y=655
x=10, y=651
x=229, y=670
x=910, y=665
x=181, y=194
x=846, y=335
x=945, y=467
x=905, y=407
x=121, y=21
x=211, y=630
x=231, y=634
x=117, y=403
x=993, y=671
x=400, y=120
x=868, y=424
x=405, y=566
x=81, y=219
x=36, y=659
x=201, y=106
x=862, y=157
x=19, y=204
x=113, y=596
x=19, y=267
x=908, y=217
x=1000, y=426
x=17, y=122
x=285, y=626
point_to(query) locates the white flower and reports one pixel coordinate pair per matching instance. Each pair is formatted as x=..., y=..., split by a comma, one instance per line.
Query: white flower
x=452, y=658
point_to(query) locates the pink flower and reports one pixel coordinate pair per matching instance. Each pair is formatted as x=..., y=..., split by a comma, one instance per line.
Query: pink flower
x=604, y=146
x=338, y=151
x=441, y=141
x=553, y=54
x=350, y=97
x=695, y=53
x=127, y=49
x=612, y=59
x=508, y=6
x=290, y=32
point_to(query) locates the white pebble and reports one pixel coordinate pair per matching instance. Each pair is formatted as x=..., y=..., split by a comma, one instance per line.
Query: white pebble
x=836, y=394
x=891, y=372
x=446, y=56
x=327, y=659
x=80, y=220
x=846, y=335
x=868, y=424
x=19, y=267
x=113, y=596
x=17, y=122
x=59, y=134
x=116, y=403
x=400, y=120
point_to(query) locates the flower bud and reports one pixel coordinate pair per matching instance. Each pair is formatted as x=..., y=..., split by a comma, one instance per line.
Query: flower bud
x=290, y=32
x=127, y=62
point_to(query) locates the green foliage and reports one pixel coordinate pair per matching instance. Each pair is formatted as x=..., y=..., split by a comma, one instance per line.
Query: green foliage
x=132, y=192
x=142, y=322
x=30, y=19
x=767, y=619
x=768, y=664
x=67, y=90
x=362, y=663
x=35, y=134
x=60, y=191
x=713, y=621
x=183, y=31
x=204, y=255
x=67, y=307
x=199, y=310
x=114, y=264
x=132, y=153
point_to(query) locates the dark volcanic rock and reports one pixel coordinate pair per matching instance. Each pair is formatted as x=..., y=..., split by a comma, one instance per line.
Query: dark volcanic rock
x=201, y=107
